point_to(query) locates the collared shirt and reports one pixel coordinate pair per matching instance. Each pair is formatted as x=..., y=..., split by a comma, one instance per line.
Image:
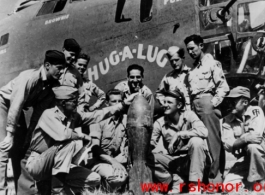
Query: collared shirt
x=174, y=80
x=54, y=126
x=112, y=135
x=71, y=77
x=207, y=77
x=147, y=93
x=234, y=128
x=189, y=125
x=91, y=89
x=28, y=89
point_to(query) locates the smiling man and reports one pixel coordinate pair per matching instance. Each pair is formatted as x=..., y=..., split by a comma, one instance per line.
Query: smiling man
x=183, y=135
x=91, y=89
x=134, y=83
x=175, y=78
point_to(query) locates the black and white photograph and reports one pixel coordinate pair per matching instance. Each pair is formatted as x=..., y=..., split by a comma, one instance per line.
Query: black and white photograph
x=132, y=97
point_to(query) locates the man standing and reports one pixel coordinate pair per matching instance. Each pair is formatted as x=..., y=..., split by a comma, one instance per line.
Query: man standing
x=242, y=135
x=71, y=76
x=134, y=83
x=183, y=135
x=91, y=89
x=31, y=88
x=207, y=88
x=175, y=78
x=110, y=135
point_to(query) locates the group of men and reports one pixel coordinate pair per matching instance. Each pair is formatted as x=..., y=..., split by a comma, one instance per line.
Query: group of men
x=190, y=127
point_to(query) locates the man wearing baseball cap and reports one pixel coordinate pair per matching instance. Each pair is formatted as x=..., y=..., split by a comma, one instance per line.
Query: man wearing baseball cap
x=31, y=88
x=175, y=78
x=242, y=136
x=183, y=136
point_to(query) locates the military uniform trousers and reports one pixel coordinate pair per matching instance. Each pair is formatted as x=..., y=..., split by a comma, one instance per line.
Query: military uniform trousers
x=17, y=152
x=57, y=159
x=210, y=116
x=106, y=171
x=249, y=168
x=188, y=164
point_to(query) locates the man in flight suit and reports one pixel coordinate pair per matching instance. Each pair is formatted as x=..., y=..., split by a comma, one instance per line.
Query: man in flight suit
x=91, y=89
x=207, y=88
x=243, y=131
x=31, y=88
x=183, y=135
x=110, y=135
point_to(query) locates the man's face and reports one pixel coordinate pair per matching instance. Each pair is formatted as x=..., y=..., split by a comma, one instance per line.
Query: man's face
x=70, y=105
x=81, y=65
x=176, y=62
x=194, y=50
x=135, y=80
x=238, y=105
x=114, y=99
x=170, y=105
x=54, y=71
x=69, y=56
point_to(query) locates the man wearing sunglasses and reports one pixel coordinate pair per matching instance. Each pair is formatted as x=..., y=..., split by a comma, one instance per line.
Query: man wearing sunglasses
x=134, y=83
x=242, y=136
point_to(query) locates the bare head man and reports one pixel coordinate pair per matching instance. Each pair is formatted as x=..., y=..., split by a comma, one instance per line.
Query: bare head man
x=82, y=63
x=135, y=75
x=194, y=44
x=113, y=97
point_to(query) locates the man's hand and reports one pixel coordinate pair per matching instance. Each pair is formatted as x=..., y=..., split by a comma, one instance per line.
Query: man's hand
x=130, y=98
x=253, y=138
x=92, y=108
x=7, y=143
x=175, y=139
x=118, y=169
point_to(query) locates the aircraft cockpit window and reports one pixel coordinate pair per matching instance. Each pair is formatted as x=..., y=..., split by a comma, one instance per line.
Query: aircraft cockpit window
x=49, y=7
x=210, y=2
x=251, y=16
x=146, y=10
x=4, y=39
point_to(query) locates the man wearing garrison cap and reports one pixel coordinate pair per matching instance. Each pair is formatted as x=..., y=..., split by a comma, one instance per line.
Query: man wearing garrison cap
x=71, y=76
x=175, y=78
x=183, y=135
x=243, y=131
x=31, y=88
x=52, y=146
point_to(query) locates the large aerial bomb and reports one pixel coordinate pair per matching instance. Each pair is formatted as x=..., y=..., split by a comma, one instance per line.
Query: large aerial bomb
x=139, y=128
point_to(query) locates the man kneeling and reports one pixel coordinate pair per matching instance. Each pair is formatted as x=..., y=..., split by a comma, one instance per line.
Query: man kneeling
x=109, y=146
x=243, y=131
x=183, y=136
x=53, y=144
